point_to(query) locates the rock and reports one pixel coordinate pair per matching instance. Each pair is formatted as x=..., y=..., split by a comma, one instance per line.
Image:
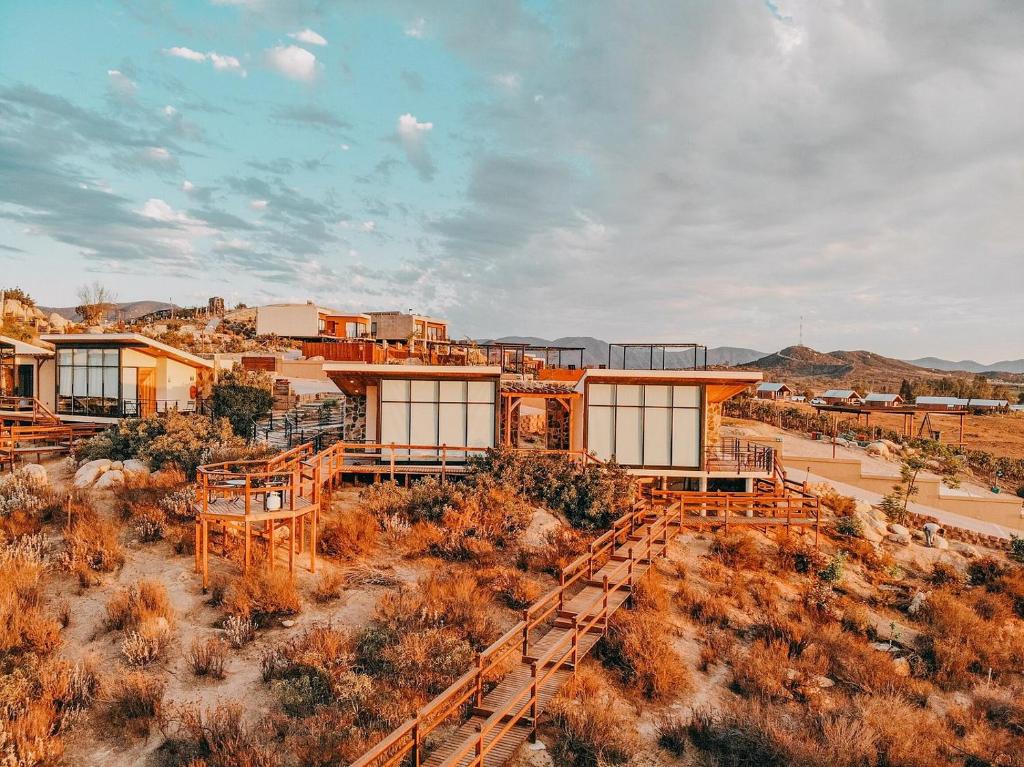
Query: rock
x=899, y=529
x=541, y=523
x=57, y=322
x=133, y=467
x=288, y=623
x=878, y=448
x=824, y=682
x=883, y=647
x=965, y=550
x=36, y=473
x=940, y=543
x=110, y=479
x=116, y=466
x=89, y=472
x=902, y=666
x=917, y=602
x=902, y=540
x=792, y=674
x=869, y=528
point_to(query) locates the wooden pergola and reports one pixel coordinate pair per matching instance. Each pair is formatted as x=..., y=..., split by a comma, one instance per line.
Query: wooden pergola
x=908, y=412
x=513, y=395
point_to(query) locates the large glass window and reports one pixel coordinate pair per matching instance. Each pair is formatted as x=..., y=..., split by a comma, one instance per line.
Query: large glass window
x=425, y=414
x=645, y=424
x=88, y=382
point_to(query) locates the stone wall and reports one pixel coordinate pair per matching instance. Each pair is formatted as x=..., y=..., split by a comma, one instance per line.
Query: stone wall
x=712, y=424
x=557, y=425
x=355, y=418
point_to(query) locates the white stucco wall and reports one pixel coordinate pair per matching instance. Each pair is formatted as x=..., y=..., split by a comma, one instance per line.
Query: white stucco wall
x=300, y=320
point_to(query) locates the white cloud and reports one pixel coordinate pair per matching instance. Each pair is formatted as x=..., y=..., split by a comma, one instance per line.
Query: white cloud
x=121, y=84
x=510, y=80
x=258, y=204
x=369, y=226
x=345, y=147
x=410, y=126
x=309, y=37
x=170, y=111
x=219, y=61
x=159, y=154
x=293, y=62
x=417, y=28
x=187, y=186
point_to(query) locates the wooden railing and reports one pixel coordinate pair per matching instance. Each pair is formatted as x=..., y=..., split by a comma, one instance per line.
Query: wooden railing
x=36, y=439
x=407, y=741
x=740, y=457
x=28, y=405
x=745, y=509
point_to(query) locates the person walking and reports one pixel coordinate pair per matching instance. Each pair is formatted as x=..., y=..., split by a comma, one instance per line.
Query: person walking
x=931, y=529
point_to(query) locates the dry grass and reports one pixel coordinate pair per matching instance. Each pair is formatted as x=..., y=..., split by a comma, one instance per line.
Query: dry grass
x=591, y=726
x=262, y=595
x=512, y=587
x=140, y=603
x=329, y=586
x=208, y=657
x=639, y=649
x=25, y=624
x=737, y=550
x=216, y=737
x=91, y=543
x=352, y=534
x=562, y=545
x=134, y=700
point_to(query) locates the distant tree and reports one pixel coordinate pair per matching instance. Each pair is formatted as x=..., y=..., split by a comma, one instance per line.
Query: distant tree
x=907, y=391
x=95, y=302
x=242, y=397
x=1020, y=398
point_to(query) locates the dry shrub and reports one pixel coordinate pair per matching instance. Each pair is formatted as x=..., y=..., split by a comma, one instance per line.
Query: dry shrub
x=759, y=671
x=216, y=737
x=261, y=595
x=39, y=701
x=134, y=700
x=353, y=533
x=166, y=492
x=25, y=625
x=239, y=631
x=146, y=646
x=328, y=738
x=139, y=603
x=796, y=555
x=25, y=503
x=841, y=505
x=986, y=571
x=737, y=550
x=959, y=645
x=860, y=668
x=561, y=546
x=638, y=648
x=591, y=727
x=709, y=609
x=512, y=587
x=651, y=594
x=946, y=574
x=329, y=586
x=671, y=732
x=208, y=657
x=91, y=543
x=428, y=661
x=716, y=645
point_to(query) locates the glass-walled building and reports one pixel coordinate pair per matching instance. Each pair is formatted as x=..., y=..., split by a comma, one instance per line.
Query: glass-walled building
x=20, y=368
x=105, y=376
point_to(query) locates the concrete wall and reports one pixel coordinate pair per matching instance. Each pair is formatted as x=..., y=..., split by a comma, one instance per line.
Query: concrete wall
x=174, y=381
x=1000, y=509
x=299, y=320
x=393, y=327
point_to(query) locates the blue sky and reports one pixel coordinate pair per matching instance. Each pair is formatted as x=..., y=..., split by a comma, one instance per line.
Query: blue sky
x=662, y=170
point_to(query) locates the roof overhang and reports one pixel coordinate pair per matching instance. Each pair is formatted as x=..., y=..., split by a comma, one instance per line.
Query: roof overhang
x=23, y=348
x=127, y=341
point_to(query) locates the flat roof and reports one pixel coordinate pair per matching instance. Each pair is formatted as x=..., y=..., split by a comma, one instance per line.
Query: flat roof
x=25, y=349
x=127, y=340
x=420, y=371
x=700, y=376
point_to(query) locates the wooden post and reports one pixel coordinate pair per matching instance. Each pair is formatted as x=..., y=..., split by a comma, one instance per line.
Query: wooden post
x=534, y=700
x=291, y=547
x=312, y=539
x=206, y=554
x=247, y=528
x=479, y=679
x=526, y=632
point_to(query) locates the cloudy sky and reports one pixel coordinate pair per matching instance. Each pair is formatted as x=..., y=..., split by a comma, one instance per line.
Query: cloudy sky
x=648, y=170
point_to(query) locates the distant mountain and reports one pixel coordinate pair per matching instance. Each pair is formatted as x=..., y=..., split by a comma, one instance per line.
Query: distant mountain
x=129, y=310
x=595, y=352
x=804, y=362
x=970, y=366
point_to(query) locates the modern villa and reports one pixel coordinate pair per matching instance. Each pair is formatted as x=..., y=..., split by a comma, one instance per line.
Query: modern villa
x=310, y=321
x=101, y=377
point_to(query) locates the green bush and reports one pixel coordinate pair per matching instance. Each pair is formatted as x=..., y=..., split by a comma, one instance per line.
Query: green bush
x=184, y=440
x=1017, y=548
x=242, y=397
x=850, y=526
x=591, y=496
x=833, y=571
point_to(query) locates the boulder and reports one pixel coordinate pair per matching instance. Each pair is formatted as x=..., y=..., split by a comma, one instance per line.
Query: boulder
x=57, y=322
x=133, y=467
x=869, y=528
x=902, y=666
x=89, y=472
x=902, y=540
x=965, y=550
x=878, y=448
x=116, y=466
x=110, y=479
x=36, y=473
x=899, y=529
x=824, y=682
x=940, y=543
x=917, y=602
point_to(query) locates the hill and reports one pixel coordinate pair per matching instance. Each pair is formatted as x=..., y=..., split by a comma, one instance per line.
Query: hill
x=129, y=310
x=969, y=366
x=804, y=362
x=596, y=352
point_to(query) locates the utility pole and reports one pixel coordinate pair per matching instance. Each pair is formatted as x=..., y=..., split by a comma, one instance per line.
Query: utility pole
x=801, y=330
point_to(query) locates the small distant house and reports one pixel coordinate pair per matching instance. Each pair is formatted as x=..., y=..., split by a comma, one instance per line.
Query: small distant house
x=310, y=321
x=398, y=326
x=882, y=399
x=940, y=403
x=774, y=391
x=987, y=404
x=841, y=397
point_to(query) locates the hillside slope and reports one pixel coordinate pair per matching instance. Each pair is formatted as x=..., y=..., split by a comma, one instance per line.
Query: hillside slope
x=969, y=366
x=130, y=310
x=804, y=362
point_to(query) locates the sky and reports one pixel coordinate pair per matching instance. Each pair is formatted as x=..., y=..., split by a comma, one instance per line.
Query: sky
x=717, y=171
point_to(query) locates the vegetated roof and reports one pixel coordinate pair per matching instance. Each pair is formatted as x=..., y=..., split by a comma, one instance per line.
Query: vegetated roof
x=882, y=397
x=772, y=387
x=844, y=393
